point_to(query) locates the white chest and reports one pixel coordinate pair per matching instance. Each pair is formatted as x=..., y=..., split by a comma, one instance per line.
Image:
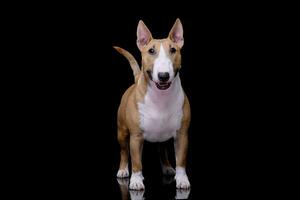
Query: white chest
x=161, y=113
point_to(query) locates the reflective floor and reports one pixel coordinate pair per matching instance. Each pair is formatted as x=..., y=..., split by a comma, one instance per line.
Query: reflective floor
x=167, y=185
x=157, y=185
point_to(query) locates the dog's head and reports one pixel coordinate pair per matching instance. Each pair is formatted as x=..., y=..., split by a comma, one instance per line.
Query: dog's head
x=161, y=59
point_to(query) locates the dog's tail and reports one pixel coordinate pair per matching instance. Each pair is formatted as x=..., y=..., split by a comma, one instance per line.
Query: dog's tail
x=133, y=63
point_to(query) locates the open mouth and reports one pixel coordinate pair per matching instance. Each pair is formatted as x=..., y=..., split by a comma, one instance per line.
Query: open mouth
x=163, y=85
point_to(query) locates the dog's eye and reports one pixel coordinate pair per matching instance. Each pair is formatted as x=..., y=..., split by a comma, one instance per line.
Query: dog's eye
x=151, y=51
x=172, y=50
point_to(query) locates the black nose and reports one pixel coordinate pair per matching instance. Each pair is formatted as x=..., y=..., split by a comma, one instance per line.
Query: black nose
x=163, y=76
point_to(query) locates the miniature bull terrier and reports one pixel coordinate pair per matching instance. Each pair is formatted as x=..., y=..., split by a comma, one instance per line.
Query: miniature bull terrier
x=155, y=108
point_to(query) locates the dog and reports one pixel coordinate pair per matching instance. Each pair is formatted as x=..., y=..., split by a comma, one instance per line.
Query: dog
x=155, y=108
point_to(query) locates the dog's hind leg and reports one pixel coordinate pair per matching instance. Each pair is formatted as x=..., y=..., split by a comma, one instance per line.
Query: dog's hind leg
x=124, y=153
x=167, y=169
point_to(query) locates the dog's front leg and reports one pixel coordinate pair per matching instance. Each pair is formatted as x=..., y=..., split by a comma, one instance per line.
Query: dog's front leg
x=136, y=147
x=181, y=147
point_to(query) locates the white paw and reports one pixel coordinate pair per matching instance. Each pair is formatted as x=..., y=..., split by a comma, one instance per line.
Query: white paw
x=168, y=170
x=182, y=181
x=136, y=181
x=122, y=173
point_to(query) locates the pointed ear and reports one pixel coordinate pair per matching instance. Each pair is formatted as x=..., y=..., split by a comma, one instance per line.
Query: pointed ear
x=143, y=35
x=176, y=33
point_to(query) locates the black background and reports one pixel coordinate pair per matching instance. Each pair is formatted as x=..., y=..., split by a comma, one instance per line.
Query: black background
x=226, y=73
x=223, y=74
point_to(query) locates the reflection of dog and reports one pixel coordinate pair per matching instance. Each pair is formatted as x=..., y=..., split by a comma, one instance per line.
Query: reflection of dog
x=182, y=194
x=123, y=184
x=139, y=194
x=155, y=108
x=134, y=194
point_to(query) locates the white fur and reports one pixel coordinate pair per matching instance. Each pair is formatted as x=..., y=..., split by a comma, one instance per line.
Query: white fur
x=181, y=178
x=123, y=173
x=162, y=64
x=161, y=112
x=136, y=181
